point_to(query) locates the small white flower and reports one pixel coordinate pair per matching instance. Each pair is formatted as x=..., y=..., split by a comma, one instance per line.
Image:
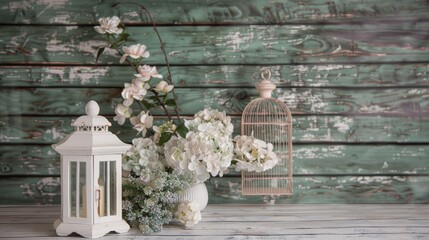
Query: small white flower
x=188, y=213
x=109, y=25
x=142, y=122
x=134, y=51
x=137, y=89
x=146, y=72
x=163, y=87
x=122, y=112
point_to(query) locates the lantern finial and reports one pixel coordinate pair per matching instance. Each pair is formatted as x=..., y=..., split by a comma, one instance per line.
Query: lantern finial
x=92, y=109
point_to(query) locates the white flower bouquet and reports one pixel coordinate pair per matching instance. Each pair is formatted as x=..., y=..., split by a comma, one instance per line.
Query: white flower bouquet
x=177, y=153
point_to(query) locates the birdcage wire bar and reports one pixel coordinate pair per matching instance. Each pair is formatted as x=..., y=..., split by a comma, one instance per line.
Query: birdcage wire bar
x=270, y=120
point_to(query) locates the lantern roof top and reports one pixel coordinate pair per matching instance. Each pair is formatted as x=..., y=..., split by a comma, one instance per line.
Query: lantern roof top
x=91, y=118
x=91, y=136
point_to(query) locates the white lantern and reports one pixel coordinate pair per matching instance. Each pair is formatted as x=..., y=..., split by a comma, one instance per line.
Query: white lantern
x=91, y=187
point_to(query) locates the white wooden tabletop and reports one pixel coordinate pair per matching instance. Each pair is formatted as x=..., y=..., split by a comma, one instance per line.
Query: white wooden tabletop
x=295, y=221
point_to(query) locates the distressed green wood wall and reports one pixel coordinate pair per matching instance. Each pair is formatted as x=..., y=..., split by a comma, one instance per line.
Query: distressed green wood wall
x=355, y=74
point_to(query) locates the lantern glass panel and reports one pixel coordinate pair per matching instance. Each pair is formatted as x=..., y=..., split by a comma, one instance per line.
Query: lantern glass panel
x=102, y=189
x=107, y=189
x=112, y=187
x=82, y=190
x=73, y=189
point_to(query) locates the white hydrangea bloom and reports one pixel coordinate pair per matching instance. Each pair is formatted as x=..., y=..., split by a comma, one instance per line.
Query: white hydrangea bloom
x=211, y=121
x=135, y=51
x=253, y=154
x=206, y=150
x=143, y=155
x=122, y=113
x=109, y=25
x=188, y=213
x=142, y=122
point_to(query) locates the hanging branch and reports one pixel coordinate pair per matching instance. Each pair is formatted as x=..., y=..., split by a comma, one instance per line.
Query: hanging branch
x=169, y=78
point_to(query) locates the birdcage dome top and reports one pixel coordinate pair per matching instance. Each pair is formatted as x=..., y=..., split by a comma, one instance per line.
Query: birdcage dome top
x=265, y=105
x=91, y=119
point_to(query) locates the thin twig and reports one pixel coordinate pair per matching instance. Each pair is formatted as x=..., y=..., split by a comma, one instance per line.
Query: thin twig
x=169, y=78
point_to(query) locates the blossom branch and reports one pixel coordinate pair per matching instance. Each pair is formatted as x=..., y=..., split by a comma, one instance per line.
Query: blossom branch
x=155, y=29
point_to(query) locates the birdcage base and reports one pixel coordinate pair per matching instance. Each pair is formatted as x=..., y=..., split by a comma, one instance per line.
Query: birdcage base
x=267, y=191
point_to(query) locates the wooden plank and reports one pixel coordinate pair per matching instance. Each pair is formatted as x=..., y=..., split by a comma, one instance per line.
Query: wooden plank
x=306, y=129
x=325, y=75
x=66, y=101
x=207, y=12
x=340, y=189
x=307, y=189
x=257, y=228
x=292, y=221
x=308, y=160
x=272, y=44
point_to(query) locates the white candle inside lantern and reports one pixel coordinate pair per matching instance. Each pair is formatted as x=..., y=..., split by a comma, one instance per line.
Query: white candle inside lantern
x=100, y=201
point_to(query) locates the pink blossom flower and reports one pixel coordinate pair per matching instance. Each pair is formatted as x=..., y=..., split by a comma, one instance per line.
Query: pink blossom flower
x=109, y=25
x=122, y=112
x=142, y=122
x=163, y=87
x=146, y=72
x=134, y=51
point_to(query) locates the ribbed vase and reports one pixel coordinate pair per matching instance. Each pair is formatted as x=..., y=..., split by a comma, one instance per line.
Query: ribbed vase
x=197, y=193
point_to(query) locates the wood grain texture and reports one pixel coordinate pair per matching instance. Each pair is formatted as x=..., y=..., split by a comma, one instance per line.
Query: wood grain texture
x=250, y=221
x=252, y=44
x=227, y=190
x=306, y=129
x=209, y=12
x=354, y=73
x=66, y=101
x=308, y=159
x=224, y=76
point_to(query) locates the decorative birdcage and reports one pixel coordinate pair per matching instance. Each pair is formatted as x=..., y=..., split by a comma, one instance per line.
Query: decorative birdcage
x=270, y=120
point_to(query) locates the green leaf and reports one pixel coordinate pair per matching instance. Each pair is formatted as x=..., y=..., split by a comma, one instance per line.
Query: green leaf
x=123, y=37
x=100, y=50
x=182, y=130
x=165, y=136
x=147, y=105
x=170, y=102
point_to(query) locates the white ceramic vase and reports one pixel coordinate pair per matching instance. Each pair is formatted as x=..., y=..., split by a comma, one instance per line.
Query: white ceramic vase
x=197, y=192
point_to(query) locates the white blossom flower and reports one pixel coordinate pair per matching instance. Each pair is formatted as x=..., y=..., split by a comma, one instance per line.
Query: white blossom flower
x=109, y=25
x=163, y=87
x=188, y=213
x=135, y=51
x=137, y=89
x=142, y=122
x=253, y=154
x=146, y=72
x=144, y=154
x=122, y=112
